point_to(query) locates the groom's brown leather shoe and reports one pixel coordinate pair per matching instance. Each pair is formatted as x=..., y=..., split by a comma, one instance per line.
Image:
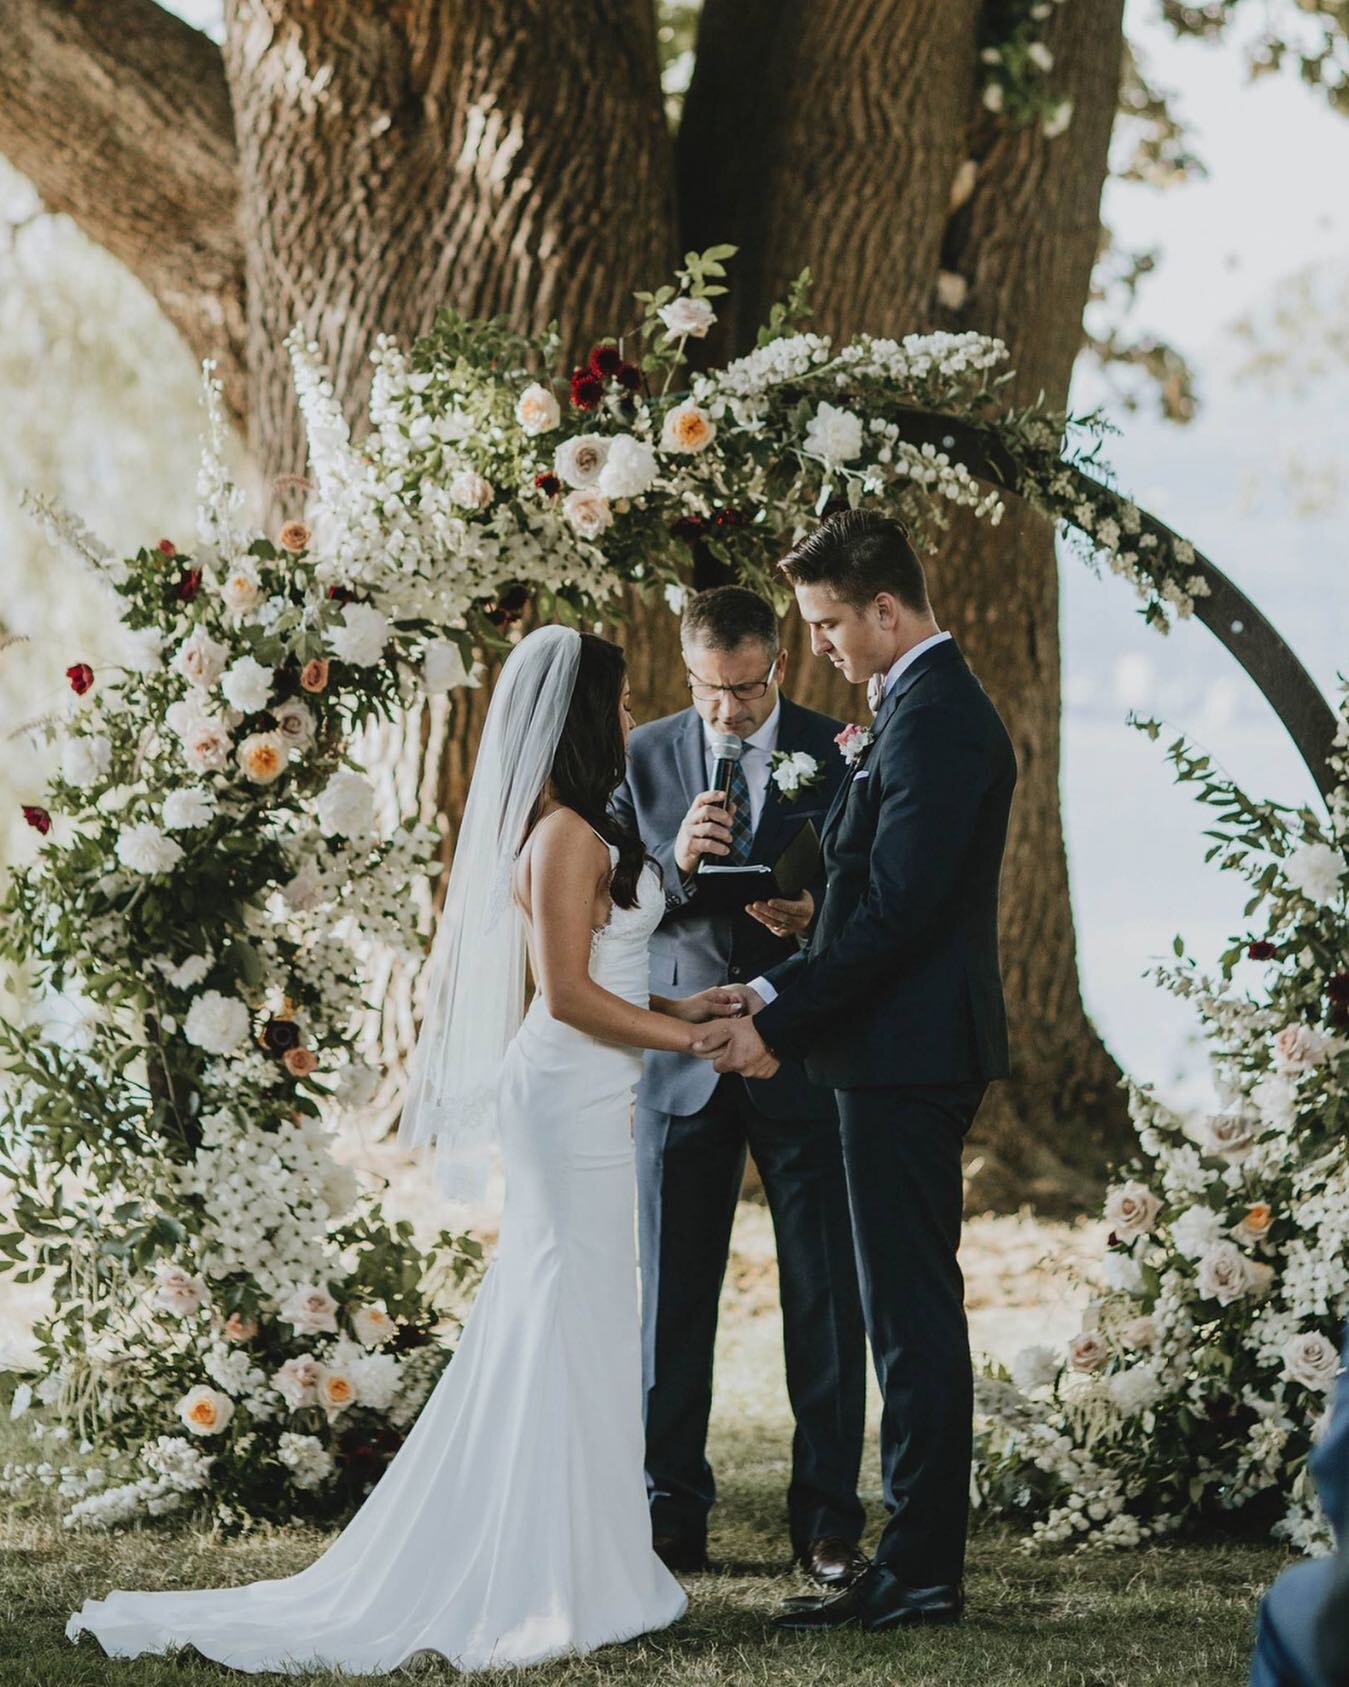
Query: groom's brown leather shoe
x=876, y=1601
x=832, y=1562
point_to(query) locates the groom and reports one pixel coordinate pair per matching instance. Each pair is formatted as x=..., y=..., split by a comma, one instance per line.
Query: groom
x=897, y=1003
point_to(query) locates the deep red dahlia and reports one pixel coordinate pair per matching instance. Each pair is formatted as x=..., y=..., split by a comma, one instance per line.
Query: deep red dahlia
x=188, y=585
x=628, y=375
x=729, y=517
x=341, y=594
x=605, y=360
x=548, y=484
x=1261, y=950
x=37, y=818
x=1337, y=987
x=587, y=389
x=689, y=528
x=279, y=1035
x=81, y=677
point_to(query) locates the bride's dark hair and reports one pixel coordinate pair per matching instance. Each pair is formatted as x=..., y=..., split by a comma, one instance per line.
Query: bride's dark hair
x=590, y=763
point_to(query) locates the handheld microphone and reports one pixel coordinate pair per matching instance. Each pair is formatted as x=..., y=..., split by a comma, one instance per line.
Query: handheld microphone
x=727, y=750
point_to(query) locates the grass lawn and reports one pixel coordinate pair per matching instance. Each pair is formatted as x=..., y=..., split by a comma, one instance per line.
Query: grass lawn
x=1173, y=1616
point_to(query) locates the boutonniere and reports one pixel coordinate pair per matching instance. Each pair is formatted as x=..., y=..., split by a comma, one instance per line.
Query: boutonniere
x=852, y=741
x=793, y=771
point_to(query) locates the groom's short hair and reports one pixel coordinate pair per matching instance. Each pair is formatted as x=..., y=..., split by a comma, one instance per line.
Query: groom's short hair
x=724, y=616
x=856, y=554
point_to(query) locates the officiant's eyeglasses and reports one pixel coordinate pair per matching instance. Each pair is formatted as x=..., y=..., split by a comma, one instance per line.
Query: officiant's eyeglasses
x=744, y=693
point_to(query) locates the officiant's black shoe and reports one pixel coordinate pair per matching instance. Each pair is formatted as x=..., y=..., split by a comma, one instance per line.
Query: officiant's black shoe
x=832, y=1562
x=876, y=1601
x=681, y=1552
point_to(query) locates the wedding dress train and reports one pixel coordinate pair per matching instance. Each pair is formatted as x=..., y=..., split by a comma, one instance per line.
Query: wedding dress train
x=512, y=1525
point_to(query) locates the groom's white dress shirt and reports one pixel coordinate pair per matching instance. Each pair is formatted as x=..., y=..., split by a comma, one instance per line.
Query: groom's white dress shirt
x=754, y=759
x=760, y=986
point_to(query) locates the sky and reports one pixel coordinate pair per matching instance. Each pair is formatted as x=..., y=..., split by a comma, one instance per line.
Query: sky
x=1230, y=245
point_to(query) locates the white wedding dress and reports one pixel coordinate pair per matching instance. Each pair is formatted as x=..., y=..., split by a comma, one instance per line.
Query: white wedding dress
x=512, y=1525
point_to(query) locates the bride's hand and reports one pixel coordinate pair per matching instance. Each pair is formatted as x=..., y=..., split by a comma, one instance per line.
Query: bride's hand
x=720, y=1002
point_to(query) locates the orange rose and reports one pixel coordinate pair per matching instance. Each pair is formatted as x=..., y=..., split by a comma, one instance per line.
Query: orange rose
x=1255, y=1222
x=314, y=674
x=300, y=1062
x=263, y=757
x=336, y=1391
x=687, y=428
x=294, y=536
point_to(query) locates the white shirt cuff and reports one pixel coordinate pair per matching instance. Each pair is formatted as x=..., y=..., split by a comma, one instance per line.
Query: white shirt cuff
x=763, y=990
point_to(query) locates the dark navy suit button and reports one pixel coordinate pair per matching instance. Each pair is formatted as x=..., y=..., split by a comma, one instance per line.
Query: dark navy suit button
x=736, y=973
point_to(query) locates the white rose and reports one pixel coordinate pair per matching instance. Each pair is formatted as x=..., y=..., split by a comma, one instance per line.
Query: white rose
x=1195, y=1231
x=1087, y=1351
x=537, y=410
x=309, y=1310
x=1311, y=1359
x=1035, y=1367
x=833, y=435
x=580, y=460
x=1317, y=870
x=685, y=316
x=1121, y=1271
x=216, y=1023
x=188, y=808
x=247, y=685
x=1223, y=1274
x=1140, y=1332
x=294, y=721
x=362, y=636
x=1298, y=1048
x=205, y=1411
x=1134, y=1390
x=588, y=512
x=346, y=805
x=144, y=848
x=469, y=490
x=629, y=469
x=200, y=659
x=1230, y=1136
x=297, y=1381
x=206, y=744
x=241, y=589
x=84, y=761
x=443, y=668
x=178, y=1291
x=373, y=1326
x=1131, y=1210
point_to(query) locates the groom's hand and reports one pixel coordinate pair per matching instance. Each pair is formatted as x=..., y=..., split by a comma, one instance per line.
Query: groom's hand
x=784, y=917
x=735, y=1046
x=750, y=1000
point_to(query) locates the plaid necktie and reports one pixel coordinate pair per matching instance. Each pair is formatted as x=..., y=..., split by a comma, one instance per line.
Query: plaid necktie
x=742, y=826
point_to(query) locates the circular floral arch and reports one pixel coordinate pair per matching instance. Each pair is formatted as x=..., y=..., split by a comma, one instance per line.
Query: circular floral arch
x=237, y=1326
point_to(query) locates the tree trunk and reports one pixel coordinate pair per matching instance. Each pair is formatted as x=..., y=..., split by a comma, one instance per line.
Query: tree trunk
x=863, y=168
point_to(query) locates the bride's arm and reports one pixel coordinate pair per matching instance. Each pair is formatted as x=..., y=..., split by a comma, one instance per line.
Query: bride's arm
x=567, y=866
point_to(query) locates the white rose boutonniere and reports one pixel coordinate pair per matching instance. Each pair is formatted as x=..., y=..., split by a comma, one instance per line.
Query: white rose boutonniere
x=852, y=741
x=793, y=771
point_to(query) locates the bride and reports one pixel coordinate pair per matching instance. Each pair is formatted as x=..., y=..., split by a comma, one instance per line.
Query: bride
x=512, y=1525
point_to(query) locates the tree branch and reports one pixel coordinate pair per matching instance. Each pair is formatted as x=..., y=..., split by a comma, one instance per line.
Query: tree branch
x=119, y=114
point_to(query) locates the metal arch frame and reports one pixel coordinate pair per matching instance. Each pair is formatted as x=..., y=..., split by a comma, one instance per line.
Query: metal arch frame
x=1226, y=611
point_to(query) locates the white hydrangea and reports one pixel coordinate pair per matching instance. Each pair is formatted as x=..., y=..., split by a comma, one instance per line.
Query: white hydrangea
x=629, y=469
x=1316, y=870
x=833, y=435
x=362, y=636
x=346, y=805
x=307, y=1459
x=247, y=685
x=188, y=807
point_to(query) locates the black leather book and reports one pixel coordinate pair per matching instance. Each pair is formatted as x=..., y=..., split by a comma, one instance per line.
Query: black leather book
x=722, y=890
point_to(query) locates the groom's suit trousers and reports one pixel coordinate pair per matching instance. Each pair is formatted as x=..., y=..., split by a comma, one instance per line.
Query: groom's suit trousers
x=901, y=1152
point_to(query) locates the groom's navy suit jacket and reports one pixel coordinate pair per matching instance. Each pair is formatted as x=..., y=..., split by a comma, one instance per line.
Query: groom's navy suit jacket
x=691, y=949
x=900, y=983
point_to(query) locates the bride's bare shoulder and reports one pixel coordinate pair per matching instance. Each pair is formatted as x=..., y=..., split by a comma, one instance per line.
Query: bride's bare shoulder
x=563, y=830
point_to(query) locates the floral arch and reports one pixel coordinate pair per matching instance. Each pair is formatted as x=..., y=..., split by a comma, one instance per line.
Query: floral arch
x=237, y=1329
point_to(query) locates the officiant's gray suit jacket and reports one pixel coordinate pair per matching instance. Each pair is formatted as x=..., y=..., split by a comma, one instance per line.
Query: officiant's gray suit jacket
x=692, y=950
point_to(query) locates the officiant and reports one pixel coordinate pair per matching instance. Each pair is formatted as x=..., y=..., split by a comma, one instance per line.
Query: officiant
x=693, y=1126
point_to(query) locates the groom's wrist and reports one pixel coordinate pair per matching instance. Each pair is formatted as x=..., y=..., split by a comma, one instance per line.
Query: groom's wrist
x=763, y=990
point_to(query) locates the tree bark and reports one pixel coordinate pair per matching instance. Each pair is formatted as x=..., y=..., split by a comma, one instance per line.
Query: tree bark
x=862, y=169
x=118, y=113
